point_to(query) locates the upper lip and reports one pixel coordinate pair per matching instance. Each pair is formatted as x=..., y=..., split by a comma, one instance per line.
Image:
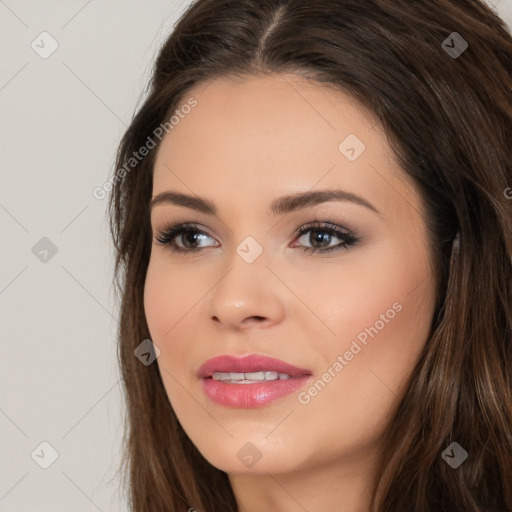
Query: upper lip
x=248, y=363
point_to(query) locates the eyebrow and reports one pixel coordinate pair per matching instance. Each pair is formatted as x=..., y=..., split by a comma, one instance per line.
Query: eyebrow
x=279, y=206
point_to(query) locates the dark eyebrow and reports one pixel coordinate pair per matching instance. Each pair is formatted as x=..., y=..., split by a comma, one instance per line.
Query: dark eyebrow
x=279, y=206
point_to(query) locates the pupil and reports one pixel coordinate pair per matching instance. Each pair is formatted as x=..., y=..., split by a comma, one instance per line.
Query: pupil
x=190, y=236
x=320, y=238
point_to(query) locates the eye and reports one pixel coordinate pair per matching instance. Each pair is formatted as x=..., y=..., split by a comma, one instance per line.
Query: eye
x=183, y=238
x=189, y=234
x=328, y=232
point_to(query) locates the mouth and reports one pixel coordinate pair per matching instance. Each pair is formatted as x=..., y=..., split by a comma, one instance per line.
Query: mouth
x=249, y=368
x=249, y=377
x=250, y=381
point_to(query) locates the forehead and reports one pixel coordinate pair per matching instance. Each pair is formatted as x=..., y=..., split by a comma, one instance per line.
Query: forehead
x=280, y=133
x=276, y=108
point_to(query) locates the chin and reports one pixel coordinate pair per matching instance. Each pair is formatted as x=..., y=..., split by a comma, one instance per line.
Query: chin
x=253, y=457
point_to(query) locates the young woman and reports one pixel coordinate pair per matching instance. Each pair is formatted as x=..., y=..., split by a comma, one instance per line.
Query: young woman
x=312, y=216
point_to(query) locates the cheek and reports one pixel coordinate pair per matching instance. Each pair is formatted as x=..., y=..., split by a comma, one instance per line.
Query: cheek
x=381, y=298
x=358, y=394
x=169, y=298
x=381, y=318
x=159, y=305
x=169, y=295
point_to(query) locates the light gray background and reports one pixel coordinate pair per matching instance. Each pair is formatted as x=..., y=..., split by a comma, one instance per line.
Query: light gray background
x=61, y=120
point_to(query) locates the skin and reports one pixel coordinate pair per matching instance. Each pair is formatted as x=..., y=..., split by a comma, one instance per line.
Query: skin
x=245, y=144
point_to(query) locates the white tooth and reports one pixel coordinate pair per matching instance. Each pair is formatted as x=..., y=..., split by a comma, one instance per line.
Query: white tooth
x=249, y=377
x=255, y=376
x=221, y=376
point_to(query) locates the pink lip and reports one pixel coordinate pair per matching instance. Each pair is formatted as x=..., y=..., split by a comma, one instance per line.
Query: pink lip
x=250, y=395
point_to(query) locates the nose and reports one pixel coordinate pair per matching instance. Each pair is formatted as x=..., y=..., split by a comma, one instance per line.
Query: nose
x=247, y=295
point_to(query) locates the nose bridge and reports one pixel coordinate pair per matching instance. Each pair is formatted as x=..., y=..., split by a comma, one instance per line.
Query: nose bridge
x=245, y=268
x=249, y=237
x=245, y=289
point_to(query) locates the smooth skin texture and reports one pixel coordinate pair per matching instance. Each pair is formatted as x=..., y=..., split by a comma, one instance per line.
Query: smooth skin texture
x=245, y=144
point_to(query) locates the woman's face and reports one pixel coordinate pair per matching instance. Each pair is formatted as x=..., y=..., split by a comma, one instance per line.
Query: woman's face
x=353, y=320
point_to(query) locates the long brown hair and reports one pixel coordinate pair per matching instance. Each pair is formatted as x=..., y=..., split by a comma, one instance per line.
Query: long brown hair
x=447, y=112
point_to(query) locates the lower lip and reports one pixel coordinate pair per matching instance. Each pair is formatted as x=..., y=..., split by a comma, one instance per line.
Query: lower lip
x=251, y=395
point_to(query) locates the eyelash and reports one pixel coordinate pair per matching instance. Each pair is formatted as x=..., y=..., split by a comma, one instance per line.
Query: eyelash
x=349, y=237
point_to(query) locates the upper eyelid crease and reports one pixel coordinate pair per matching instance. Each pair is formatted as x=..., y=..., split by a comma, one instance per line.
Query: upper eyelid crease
x=279, y=206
